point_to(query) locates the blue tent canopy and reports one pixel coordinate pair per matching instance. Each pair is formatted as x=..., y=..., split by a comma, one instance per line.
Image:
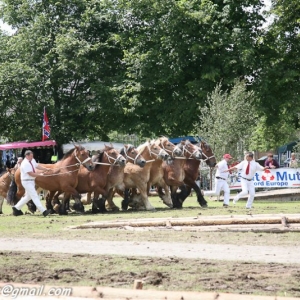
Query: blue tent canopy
x=287, y=147
x=192, y=139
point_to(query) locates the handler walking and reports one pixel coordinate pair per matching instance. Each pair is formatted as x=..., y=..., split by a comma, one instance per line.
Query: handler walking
x=28, y=175
x=247, y=168
x=221, y=180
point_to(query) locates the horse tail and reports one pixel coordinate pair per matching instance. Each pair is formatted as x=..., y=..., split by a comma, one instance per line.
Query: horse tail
x=12, y=192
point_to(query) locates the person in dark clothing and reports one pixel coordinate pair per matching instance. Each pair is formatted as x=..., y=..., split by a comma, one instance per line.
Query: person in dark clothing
x=271, y=163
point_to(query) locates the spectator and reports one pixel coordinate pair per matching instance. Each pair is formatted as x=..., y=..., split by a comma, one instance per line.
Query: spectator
x=294, y=161
x=271, y=163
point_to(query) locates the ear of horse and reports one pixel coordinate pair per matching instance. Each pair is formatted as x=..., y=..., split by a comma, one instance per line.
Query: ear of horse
x=122, y=152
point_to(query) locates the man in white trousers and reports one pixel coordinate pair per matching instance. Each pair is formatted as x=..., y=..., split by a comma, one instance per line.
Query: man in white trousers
x=221, y=180
x=247, y=168
x=28, y=174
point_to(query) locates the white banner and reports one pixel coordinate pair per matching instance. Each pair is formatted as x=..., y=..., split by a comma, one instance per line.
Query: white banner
x=270, y=178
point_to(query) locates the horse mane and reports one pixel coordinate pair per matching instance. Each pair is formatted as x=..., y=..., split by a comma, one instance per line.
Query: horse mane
x=142, y=147
x=162, y=139
x=69, y=153
x=99, y=154
x=128, y=147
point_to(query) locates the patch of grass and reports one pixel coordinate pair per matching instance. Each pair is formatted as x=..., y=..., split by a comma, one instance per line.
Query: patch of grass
x=36, y=226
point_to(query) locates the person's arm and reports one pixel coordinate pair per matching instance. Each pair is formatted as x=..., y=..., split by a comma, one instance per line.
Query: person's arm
x=39, y=167
x=266, y=163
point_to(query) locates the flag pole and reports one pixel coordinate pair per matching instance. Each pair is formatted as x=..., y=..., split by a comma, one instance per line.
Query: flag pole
x=43, y=125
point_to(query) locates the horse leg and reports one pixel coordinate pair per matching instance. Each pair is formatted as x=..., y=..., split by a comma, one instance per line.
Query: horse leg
x=125, y=202
x=110, y=205
x=87, y=200
x=145, y=199
x=200, y=198
x=62, y=207
x=178, y=198
x=31, y=206
x=167, y=199
x=1, y=204
x=78, y=205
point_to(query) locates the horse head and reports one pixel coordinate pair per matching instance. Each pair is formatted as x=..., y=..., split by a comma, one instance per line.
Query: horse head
x=170, y=148
x=132, y=154
x=156, y=151
x=207, y=154
x=190, y=150
x=11, y=173
x=113, y=156
x=83, y=157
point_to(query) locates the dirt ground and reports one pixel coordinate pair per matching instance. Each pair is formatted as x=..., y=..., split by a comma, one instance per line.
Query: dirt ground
x=269, y=254
x=263, y=270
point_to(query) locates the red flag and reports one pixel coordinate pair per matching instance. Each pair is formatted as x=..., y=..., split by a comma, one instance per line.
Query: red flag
x=46, y=127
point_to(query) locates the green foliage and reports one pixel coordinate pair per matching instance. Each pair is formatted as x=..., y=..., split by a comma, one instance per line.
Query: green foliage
x=228, y=119
x=63, y=57
x=277, y=83
x=145, y=67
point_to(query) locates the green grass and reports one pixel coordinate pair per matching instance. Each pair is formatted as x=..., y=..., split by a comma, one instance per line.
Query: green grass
x=54, y=227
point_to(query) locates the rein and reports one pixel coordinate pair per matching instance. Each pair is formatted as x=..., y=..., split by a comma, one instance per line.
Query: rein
x=191, y=153
x=109, y=158
x=133, y=159
x=151, y=152
x=170, y=151
x=69, y=166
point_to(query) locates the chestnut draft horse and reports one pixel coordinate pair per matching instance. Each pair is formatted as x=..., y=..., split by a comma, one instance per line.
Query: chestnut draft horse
x=191, y=169
x=157, y=170
x=115, y=178
x=136, y=177
x=6, y=177
x=174, y=172
x=61, y=176
x=109, y=162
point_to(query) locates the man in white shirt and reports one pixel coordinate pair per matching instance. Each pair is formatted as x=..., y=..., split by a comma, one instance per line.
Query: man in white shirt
x=221, y=180
x=28, y=173
x=247, y=168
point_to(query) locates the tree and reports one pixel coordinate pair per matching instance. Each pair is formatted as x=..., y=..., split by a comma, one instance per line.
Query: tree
x=176, y=52
x=63, y=56
x=228, y=119
x=277, y=82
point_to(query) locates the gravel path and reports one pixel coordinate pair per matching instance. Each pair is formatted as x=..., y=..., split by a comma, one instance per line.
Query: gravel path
x=153, y=249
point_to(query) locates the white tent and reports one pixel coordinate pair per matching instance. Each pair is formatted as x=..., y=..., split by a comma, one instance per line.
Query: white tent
x=92, y=146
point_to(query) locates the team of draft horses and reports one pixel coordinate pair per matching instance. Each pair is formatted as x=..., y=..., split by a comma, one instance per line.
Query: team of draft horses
x=130, y=172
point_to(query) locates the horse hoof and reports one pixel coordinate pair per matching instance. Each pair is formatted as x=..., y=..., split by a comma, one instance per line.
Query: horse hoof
x=204, y=206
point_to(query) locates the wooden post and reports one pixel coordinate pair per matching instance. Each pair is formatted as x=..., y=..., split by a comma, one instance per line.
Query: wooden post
x=138, y=284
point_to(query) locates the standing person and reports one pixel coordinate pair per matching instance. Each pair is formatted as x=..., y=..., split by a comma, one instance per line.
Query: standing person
x=294, y=161
x=271, y=163
x=18, y=164
x=247, y=168
x=221, y=180
x=28, y=175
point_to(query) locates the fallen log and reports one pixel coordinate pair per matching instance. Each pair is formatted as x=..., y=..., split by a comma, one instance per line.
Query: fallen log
x=199, y=221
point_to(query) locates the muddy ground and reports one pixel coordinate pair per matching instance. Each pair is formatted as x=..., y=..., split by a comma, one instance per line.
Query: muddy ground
x=157, y=273
x=161, y=273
